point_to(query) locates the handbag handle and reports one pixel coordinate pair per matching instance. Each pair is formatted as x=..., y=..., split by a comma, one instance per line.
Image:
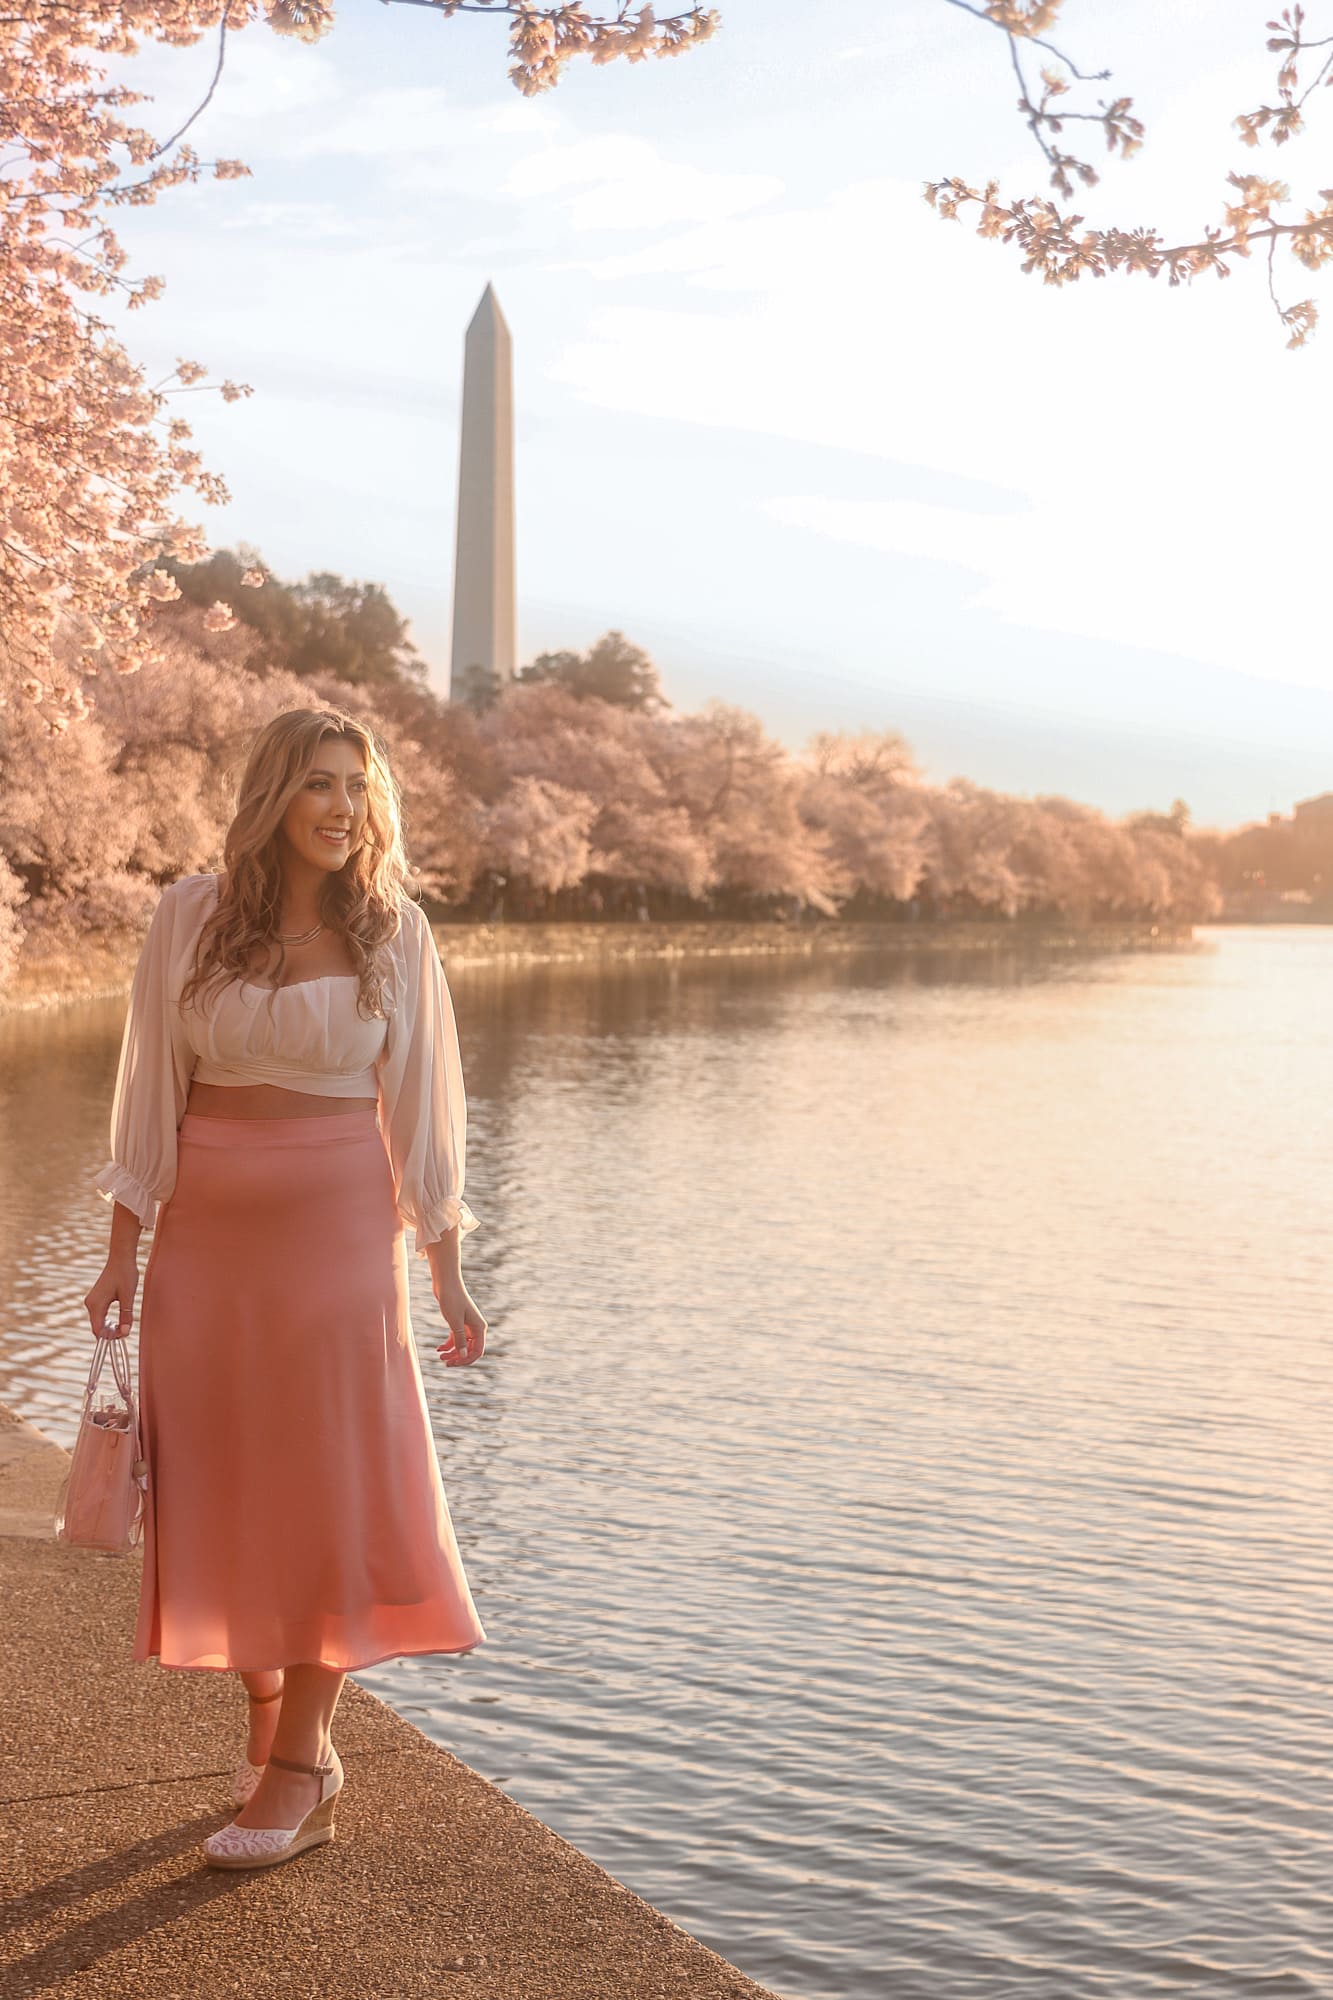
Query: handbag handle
x=114, y=1346
x=108, y=1345
x=120, y=1368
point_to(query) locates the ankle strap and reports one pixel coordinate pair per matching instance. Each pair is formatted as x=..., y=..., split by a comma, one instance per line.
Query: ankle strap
x=312, y=1770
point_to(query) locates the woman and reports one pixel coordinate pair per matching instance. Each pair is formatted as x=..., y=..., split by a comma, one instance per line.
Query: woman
x=290, y=1096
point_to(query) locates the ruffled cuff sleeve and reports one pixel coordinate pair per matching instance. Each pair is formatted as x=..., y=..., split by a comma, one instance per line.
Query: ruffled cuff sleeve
x=423, y=1109
x=116, y=1183
x=152, y=1078
x=434, y=1221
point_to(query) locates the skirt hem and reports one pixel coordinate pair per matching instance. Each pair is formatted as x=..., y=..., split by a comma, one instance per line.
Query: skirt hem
x=274, y=1666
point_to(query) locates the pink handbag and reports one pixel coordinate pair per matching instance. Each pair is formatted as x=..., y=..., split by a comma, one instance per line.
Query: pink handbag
x=101, y=1500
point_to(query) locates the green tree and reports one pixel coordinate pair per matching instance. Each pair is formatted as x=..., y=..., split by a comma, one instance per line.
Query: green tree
x=1176, y=821
x=354, y=631
x=477, y=688
x=324, y=625
x=613, y=669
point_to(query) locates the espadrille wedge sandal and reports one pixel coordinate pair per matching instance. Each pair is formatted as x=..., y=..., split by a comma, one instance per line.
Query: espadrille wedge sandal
x=263, y=1846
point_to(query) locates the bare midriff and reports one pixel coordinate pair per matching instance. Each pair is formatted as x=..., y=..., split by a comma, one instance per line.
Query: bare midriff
x=266, y=1100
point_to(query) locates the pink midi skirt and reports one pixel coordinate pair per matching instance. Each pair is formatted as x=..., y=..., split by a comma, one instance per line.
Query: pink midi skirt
x=295, y=1510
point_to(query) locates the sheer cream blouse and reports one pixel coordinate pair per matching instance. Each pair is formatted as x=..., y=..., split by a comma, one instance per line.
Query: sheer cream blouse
x=309, y=1036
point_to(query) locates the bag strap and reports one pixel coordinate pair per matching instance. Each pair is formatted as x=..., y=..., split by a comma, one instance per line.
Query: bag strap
x=101, y=1348
x=120, y=1368
x=117, y=1349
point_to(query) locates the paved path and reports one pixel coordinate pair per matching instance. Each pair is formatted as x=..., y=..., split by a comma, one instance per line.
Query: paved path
x=112, y=1773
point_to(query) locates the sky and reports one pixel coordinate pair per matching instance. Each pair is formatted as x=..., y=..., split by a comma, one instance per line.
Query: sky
x=820, y=453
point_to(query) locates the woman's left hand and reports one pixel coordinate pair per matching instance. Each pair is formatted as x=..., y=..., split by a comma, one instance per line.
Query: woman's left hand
x=464, y=1317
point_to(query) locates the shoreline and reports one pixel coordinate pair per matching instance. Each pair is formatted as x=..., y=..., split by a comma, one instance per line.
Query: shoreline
x=113, y=1772
x=106, y=973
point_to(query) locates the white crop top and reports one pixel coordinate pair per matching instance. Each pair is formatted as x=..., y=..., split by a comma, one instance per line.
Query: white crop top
x=310, y=1036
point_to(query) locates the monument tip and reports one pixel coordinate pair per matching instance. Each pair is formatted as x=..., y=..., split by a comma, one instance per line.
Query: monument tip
x=488, y=309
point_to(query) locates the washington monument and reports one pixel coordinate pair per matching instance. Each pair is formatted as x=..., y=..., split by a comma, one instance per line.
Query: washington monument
x=484, y=595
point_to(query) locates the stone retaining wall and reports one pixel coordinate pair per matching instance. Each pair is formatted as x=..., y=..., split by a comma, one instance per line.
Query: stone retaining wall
x=105, y=971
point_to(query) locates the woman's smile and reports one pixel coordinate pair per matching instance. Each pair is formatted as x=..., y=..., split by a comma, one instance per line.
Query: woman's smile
x=324, y=819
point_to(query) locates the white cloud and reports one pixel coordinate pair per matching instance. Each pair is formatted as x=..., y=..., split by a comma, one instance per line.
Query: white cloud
x=307, y=221
x=626, y=183
x=1166, y=441
x=426, y=121
x=1055, y=568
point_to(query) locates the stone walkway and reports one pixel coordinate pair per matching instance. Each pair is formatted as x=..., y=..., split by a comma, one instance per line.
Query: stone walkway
x=112, y=1774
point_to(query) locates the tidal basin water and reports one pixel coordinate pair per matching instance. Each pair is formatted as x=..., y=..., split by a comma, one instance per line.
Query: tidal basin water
x=897, y=1488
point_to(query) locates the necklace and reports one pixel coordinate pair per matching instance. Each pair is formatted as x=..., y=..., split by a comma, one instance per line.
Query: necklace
x=306, y=937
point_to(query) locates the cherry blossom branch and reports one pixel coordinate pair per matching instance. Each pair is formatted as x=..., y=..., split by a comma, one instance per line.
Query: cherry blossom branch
x=543, y=39
x=207, y=99
x=994, y=18
x=190, y=167
x=1285, y=117
x=515, y=8
x=1020, y=22
x=1057, y=247
x=38, y=562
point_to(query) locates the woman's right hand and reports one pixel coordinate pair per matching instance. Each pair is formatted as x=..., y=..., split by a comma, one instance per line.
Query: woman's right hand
x=117, y=1286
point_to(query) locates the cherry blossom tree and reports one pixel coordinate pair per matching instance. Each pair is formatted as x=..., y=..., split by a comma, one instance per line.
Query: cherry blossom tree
x=864, y=795
x=1051, y=856
x=744, y=791
x=970, y=848
x=91, y=463
x=84, y=890
x=684, y=803
x=94, y=819
x=555, y=789
x=602, y=753
x=1082, y=864
x=1057, y=245
x=1171, y=872
x=539, y=829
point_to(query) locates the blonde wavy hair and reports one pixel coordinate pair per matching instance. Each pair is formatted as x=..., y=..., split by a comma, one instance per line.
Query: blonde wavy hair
x=362, y=900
